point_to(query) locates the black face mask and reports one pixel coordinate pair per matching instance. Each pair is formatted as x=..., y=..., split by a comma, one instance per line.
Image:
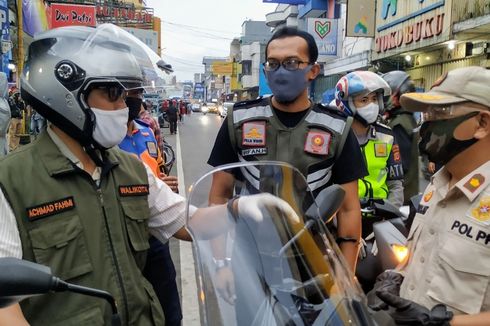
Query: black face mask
x=134, y=106
x=437, y=139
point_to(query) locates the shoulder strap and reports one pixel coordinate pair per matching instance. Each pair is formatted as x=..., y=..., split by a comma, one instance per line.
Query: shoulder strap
x=231, y=129
x=343, y=138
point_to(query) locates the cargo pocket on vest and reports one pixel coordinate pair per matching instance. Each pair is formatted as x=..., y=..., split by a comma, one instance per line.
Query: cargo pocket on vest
x=461, y=278
x=89, y=317
x=60, y=244
x=137, y=214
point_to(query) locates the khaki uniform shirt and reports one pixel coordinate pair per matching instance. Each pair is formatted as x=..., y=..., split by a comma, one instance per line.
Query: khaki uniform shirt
x=449, y=245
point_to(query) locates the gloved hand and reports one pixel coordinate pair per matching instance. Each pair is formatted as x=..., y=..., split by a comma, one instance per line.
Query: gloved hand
x=389, y=281
x=253, y=207
x=410, y=313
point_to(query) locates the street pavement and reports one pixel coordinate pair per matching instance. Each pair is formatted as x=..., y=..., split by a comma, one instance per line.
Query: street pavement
x=192, y=145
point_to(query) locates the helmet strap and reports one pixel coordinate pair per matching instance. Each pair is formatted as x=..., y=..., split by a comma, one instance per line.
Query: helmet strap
x=99, y=156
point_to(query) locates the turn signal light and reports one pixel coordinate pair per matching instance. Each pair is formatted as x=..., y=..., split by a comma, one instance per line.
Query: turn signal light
x=400, y=251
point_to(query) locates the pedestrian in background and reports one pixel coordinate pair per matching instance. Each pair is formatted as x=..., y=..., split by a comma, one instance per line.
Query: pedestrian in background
x=38, y=123
x=16, y=109
x=173, y=114
x=182, y=110
x=4, y=113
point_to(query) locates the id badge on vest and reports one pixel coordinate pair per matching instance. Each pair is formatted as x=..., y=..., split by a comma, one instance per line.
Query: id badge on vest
x=318, y=142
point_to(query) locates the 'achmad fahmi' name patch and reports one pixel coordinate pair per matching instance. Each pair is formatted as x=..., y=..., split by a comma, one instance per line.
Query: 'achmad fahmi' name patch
x=51, y=208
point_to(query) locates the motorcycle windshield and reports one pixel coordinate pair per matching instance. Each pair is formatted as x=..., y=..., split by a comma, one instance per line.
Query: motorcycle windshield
x=282, y=266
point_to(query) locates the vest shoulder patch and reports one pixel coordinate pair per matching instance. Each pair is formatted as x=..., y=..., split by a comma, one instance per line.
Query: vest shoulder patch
x=152, y=148
x=50, y=208
x=380, y=149
x=254, y=133
x=134, y=190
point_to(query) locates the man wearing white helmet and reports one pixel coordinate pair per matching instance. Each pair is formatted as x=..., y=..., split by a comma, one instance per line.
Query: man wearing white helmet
x=360, y=95
x=445, y=280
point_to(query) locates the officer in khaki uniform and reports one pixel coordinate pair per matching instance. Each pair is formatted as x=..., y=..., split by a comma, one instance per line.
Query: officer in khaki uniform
x=446, y=277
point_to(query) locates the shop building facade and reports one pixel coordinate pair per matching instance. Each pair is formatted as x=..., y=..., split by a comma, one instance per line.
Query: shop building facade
x=427, y=38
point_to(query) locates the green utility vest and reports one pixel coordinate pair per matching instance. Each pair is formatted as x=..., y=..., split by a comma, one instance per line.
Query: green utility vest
x=376, y=153
x=411, y=181
x=95, y=237
x=311, y=146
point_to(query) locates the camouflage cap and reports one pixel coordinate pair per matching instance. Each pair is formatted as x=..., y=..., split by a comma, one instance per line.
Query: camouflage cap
x=469, y=84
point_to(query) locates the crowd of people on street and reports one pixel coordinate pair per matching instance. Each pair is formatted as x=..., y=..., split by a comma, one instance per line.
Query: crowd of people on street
x=100, y=165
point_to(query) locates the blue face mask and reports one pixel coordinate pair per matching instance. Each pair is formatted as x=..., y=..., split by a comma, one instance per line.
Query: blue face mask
x=287, y=85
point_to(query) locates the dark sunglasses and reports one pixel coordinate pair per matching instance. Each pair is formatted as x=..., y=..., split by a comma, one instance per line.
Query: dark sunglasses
x=114, y=92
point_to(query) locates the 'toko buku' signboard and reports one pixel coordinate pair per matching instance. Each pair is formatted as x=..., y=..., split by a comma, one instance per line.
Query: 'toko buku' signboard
x=407, y=25
x=420, y=30
x=69, y=14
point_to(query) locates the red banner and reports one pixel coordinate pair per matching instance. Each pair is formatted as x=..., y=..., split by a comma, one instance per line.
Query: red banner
x=69, y=15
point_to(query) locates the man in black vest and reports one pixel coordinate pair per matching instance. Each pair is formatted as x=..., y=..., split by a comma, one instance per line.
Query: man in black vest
x=289, y=127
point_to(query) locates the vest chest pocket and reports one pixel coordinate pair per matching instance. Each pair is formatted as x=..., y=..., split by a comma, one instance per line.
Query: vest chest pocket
x=136, y=214
x=60, y=244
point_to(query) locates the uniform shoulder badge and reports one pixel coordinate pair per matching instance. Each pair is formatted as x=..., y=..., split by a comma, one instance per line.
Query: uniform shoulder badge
x=474, y=182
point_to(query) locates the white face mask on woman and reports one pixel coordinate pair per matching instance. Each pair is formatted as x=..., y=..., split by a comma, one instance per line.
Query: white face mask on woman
x=369, y=112
x=110, y=126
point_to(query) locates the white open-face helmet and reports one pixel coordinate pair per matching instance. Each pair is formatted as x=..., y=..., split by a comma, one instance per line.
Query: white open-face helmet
x=357, y=83
x=64, y=64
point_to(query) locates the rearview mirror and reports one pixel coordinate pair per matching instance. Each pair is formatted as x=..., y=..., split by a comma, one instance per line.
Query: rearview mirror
x=21, y=279
x=328, y=202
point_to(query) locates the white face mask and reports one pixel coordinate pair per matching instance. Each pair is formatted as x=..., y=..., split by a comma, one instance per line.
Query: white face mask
x=369, y=112
x=110, y=126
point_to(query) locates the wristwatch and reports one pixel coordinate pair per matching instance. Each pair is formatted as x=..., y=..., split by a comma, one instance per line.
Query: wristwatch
x=220, y=263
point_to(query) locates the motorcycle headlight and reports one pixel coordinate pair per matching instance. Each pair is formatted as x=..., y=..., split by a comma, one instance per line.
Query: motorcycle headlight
x=400, y=251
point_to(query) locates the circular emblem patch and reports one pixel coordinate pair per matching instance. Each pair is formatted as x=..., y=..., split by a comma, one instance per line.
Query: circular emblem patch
x=318, y=140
